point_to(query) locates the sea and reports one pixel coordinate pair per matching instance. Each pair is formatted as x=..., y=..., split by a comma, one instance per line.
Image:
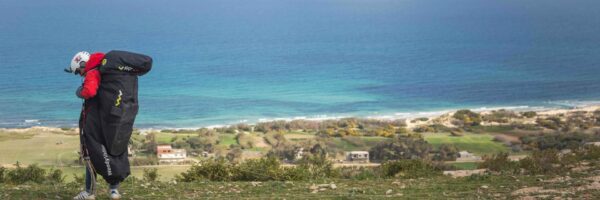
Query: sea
x=219, y=62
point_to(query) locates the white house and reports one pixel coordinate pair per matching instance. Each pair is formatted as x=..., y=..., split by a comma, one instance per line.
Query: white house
x=166, y=153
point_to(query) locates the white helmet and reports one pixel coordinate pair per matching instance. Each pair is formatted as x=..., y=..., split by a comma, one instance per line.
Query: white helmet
x=78, y=60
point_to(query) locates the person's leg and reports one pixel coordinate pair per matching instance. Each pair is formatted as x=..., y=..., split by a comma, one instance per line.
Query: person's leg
x=114, y=187
x=114, y=191
x=87, y=194
x=88, y=180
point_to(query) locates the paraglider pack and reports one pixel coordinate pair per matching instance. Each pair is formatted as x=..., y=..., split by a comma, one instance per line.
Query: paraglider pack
x=107, y=119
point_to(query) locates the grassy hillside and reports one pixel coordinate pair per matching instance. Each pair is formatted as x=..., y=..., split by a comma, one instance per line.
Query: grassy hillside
x=476, y=187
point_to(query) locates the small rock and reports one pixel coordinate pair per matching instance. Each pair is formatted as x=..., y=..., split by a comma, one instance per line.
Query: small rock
x=314, y=191
x=255, y=183
x=313, y=187
x=388, y=192
x=333, y=186
x=484, y=187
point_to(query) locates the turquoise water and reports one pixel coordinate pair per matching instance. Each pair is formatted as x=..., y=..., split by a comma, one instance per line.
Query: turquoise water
x=223, y=62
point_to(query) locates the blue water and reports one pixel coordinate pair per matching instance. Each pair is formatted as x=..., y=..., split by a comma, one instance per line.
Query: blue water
x=222, y=62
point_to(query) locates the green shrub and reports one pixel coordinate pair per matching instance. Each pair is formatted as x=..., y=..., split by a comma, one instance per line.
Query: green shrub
x=141, y=161
x=412, y=168
x=359, y=173
x=150, y=174
x=2, y=170
x=245, y=141
x=590, y=152
x=210, y=169
x=79, y=179
x=318, y=166
x=467, y=118
x=295, y=174
x=31, y=173
x=500, y=116
x=446, y=152
x=410, y=147
x=424, y=129
x=499, y=163
x=556, y=141
x=554, y=123
x=542, y=162
x=55, y=176
x=529, y=114
x=263, y=169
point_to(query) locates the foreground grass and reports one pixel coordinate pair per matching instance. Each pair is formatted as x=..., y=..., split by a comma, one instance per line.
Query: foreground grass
x=167, y=172
x=443, y=187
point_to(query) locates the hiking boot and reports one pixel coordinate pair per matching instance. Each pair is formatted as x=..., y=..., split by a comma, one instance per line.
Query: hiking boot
x=114, y=195
x=84, y=195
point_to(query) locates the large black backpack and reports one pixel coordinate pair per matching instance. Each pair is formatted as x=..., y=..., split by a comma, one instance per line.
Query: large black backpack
x=126, y=62
x=110, y=115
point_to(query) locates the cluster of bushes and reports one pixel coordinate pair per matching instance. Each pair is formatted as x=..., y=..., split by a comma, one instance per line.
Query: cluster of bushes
x=401, y=147
x=467, y=118
x=311, y=168
x=244, y=140
x=529, y=114
x=557, y=140
x=433, y=128
x=141, y=161
x=499, y=116
x=573, y=122
x=549, y=161
x=263, y=169
x=334, y=128
x=31, y=173
x=204, y=141
x=554, y=123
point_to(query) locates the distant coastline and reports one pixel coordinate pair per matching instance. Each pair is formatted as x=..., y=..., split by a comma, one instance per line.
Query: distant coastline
x=589, y=106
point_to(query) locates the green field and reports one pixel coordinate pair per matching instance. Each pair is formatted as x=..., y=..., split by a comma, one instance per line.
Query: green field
x=465, y=165
x=46, y=149
x=166, y=138
x=479, y=144
x=227, y=139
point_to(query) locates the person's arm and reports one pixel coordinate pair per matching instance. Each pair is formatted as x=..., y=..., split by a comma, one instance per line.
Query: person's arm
x=90, y=85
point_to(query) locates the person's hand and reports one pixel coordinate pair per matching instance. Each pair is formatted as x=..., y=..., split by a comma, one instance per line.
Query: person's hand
x=78, y=92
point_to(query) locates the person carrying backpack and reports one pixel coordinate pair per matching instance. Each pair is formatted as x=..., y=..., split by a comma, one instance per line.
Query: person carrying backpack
x=106, y=121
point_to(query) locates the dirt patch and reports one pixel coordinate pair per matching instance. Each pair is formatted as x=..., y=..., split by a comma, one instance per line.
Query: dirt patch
x=260, y=142
x=559, y=179
x=533, y=190
x=592, y=186
x=594, y=178
x=463, y=173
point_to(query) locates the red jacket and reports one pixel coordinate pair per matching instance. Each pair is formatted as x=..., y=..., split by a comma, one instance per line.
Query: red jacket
x=92, y=76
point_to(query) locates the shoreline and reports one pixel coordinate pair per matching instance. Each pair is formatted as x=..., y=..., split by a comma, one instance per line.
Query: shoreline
x=407, y=116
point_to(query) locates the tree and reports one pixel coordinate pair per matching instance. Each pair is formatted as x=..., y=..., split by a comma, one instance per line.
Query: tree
x=150, y=143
